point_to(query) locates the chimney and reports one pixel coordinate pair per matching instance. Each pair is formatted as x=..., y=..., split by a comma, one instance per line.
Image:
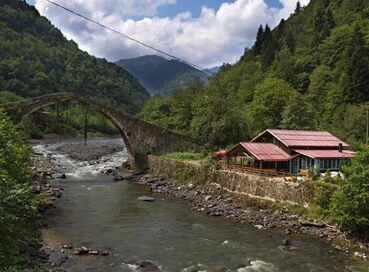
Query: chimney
x=340, y=147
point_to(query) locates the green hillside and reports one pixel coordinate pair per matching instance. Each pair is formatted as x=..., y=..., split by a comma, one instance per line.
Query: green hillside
x=310, y=72
x=36, y=59
x=162, y=76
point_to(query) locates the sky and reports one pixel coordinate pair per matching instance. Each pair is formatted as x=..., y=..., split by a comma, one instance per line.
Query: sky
x=207, y=33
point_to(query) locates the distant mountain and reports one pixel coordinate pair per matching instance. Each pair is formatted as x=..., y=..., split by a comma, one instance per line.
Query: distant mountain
x=160, y=75
x=213, y=70
x=36, y=59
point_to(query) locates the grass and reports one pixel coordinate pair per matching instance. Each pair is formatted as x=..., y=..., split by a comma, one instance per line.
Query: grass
x=185, y=156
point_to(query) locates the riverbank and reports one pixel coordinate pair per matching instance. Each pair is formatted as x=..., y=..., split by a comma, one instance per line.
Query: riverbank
x=75, y=147
x=81, y=197
x=46, y=177
x=213, y=200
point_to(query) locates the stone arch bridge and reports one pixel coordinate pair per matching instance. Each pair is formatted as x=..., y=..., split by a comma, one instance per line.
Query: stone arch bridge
x=140, y=138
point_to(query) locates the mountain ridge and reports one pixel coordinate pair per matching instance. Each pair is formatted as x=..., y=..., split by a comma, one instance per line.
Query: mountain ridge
x=37, y=59
x=160, y=75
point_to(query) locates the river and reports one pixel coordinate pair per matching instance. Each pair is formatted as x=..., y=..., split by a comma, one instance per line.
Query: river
x=98, y=213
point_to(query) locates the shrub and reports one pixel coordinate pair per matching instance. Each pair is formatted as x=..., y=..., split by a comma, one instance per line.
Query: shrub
x=314, y=174
x=17, y=212
x=351, y=206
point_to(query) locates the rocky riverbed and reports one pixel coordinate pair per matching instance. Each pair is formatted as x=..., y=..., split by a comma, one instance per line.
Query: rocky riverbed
x=45, y=177
x=214, y=201
x=210, y=200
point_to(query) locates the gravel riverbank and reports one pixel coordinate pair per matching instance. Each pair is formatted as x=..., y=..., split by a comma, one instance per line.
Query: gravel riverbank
x=91, y=151
x=76, y=148
x=209, y=199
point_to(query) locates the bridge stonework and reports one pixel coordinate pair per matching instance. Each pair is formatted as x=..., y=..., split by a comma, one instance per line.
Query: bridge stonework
x=140, y=138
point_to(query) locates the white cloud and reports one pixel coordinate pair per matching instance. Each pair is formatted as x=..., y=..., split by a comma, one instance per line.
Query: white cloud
x=216, y=36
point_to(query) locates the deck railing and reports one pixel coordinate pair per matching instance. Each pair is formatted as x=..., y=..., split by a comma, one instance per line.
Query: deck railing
x=258, y=171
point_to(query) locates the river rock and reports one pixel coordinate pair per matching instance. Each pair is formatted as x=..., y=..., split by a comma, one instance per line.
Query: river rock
x=286, y=242
x=93, y=252
x=104, y=253
x=191, y=186
x=118, y=177
x=62, y=176
x=67, y=246
x=81, y=251
x=145, y=266
x=219, y=268
x=146, y=198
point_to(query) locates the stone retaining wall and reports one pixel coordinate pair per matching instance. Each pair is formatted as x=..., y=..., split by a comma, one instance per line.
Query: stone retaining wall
x=269, y=188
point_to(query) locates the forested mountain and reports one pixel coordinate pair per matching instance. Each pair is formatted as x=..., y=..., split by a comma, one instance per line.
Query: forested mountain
x=310, y=72
x=162, y=76
x=36, y=59
x=213, y=70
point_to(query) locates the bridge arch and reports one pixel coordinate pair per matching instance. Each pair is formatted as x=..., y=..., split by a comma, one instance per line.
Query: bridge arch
x=49, y=100
x=140, y=138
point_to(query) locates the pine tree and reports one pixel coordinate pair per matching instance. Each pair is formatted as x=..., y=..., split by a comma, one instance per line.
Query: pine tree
x=298, y=7
x=357, y=69
x=323, y=23
x=269, y=48
x=259, y=40
x=329, y=23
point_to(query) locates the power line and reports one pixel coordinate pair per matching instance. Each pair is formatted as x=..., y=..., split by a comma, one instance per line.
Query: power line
x=128, y=37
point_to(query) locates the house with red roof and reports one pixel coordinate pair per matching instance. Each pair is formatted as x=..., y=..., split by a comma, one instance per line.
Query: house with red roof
x=291, y=151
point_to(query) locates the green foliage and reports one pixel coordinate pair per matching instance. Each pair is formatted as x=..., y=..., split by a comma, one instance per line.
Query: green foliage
x=17, y=204
x=310, y=72
x=217, y=118
x=356, y=81
x=35, y=59
x=270, y=97
x=314, y=174
x=185, y=156
x=298, y=7
x=298, y=114
x=9, y=97
x=351, y=206
x=323, y=193
x=259, y=40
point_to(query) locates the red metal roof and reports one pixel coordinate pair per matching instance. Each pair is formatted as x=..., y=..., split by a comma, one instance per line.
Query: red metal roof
x=266, y=151
x=326, y=154
x=304, y=138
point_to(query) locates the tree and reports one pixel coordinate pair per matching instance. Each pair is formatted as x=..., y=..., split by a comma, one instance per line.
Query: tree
x=259, y=40
x=218, y=120
x=356, y=82
x=298, y=114
x=269, y=47
x=17, y=210
x=298, y=7
x=323, y=23
x=270, y=98
x=351, y=205
x=283, y=65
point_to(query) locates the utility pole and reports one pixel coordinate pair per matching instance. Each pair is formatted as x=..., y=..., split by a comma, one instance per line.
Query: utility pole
x=367, y=125
x=85, y=123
